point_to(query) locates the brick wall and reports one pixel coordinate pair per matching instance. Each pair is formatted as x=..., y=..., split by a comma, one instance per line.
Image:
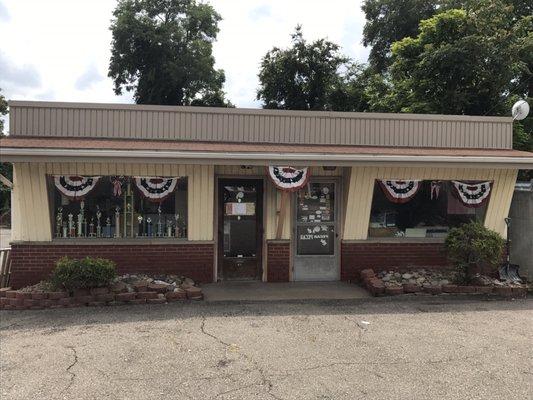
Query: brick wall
x=31, y=263
x=278, y=260
x=397, y=256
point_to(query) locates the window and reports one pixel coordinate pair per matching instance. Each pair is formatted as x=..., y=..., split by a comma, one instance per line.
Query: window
x=425, y=208
x=119, y=207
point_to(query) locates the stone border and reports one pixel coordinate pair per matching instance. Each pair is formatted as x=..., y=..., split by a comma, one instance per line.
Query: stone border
x=378, y=288
x=18, y=300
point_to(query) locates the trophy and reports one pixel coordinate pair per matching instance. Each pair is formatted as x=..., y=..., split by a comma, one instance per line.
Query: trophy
x=91, y=228
x=176, y=229
x=108, y=227
x=98, y=226
x=117, y=222
x=80, y=219
x=140, y=227
x=59, y=221
x=65, y=229
x=149, y=226
x=71, y=228
x=159, y=223
x=169, y=228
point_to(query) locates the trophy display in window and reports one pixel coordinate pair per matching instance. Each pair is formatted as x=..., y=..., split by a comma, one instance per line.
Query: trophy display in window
x=98, y=226
x=176, y=225
x=80, y=219
x=71, y=227
x=139, y=225
x=117, y=222
x=108, y=227
x=128, y=211
x=169, y=228
x=91, y=228
x=59, y=222
x=159, y=223
x=149, y=226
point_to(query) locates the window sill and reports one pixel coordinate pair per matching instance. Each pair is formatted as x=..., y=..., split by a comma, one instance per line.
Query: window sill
x=116, y=241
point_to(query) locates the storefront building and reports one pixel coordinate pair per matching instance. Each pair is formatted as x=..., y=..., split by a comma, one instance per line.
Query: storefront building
x=236, y=194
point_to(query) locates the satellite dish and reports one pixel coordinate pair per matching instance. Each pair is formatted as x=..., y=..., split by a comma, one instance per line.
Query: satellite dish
x=520, y=110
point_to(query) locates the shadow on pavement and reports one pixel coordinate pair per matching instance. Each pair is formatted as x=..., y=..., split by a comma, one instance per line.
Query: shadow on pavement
x=29, y=320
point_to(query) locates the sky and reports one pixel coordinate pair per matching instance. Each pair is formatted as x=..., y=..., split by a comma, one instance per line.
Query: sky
x=58, y=50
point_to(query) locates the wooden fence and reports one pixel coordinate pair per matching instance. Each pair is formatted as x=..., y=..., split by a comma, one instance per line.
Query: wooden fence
x=5, y=267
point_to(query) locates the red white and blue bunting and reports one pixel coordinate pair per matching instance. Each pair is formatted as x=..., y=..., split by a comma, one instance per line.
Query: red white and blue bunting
x=399, y=191
x=288, y=178
x=75, y=187
x=472, y=194
x=155, y=188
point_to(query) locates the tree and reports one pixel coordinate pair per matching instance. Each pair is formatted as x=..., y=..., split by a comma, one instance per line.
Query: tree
x=309, y=76
x=3, y=111
x=388, y=21
x=461, y=62
x=162, y=51
x=6, y=169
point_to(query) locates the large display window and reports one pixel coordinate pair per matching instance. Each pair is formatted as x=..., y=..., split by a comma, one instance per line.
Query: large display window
x=119, y=206
x=425, y=208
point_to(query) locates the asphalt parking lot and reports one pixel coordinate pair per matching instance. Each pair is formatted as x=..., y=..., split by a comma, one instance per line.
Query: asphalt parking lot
x=424, y=348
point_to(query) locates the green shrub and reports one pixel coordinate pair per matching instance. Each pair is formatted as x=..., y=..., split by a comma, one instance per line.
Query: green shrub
x=472, y=245
x=88, y=272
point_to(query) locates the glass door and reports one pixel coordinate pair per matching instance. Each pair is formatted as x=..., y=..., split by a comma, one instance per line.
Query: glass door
x=240, y=229
x=315, y=232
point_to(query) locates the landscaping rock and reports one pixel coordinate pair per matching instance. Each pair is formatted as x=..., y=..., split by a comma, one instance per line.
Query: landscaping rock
x=394, y=290
x=411, y=288
x=57, y=295
x=173, y=296
x=140, y=286
x=125, y=297
x=146, y=295
x=99, y=290
x=119, y=287
x=23, y=295
x=158, y=287
x=432, y=289
x=194, y=293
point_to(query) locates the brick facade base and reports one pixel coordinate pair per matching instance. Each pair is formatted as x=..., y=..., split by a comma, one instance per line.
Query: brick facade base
x=278, y=260
x=356, y=256
x=31, y=263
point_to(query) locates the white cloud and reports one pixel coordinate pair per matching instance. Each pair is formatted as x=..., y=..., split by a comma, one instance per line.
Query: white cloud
x=4, y=14
x=65, y=44
x=90, y=77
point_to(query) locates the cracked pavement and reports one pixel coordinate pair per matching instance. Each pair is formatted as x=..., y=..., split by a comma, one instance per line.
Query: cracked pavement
x=414, y=348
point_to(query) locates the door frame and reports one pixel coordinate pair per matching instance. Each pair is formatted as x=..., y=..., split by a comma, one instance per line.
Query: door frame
x=218, y=219
x=337, y=180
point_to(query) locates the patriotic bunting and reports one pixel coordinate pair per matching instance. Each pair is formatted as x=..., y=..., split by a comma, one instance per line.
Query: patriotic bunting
x=75, y=187
x=399, y=191
x=288, y=178
x=155, y=188
x=472, y=194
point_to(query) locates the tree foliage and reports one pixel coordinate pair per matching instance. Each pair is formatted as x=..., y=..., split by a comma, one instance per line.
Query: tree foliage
x=388, y=21
x=473, y=245
x=460, y=63
x=3, y=111
x=310, y=76
x=162, y=52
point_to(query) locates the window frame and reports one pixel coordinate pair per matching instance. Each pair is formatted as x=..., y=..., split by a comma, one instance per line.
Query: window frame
x=52, y=191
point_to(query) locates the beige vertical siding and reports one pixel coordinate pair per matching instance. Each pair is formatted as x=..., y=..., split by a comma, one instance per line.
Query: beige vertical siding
x=31, y=212
x=31, y=215
x=254, y=126
x=361, y=187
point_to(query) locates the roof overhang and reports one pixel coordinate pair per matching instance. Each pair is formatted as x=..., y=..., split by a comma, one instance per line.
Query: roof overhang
x=14, y=154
